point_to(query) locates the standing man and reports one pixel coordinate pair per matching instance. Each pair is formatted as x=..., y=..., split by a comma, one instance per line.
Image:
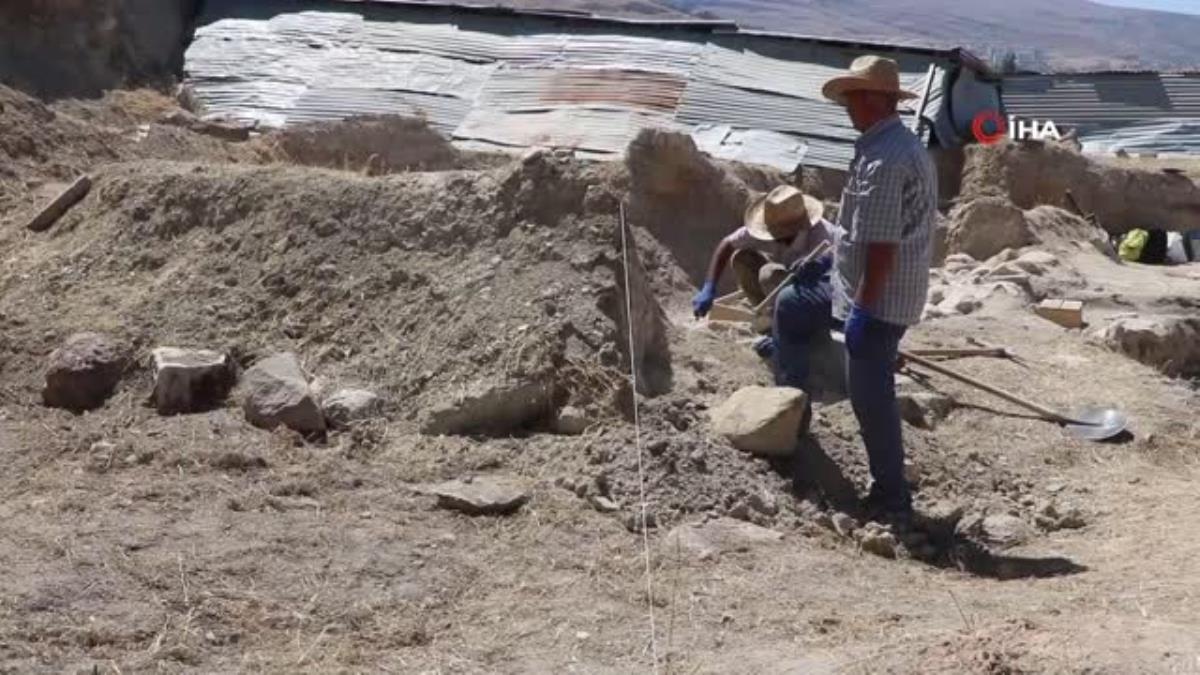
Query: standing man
x=881, y=274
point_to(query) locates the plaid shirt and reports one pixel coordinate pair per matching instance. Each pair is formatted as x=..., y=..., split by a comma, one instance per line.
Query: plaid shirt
x=890, y=197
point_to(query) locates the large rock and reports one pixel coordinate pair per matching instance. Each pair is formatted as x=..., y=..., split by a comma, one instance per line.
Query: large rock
x=723, y=535
x=84, y=372
x=986, y=226
x=492, y=408
x=1036, y=262
x=924, y=409
x=347, y=406
x=277, y=392
x=1169, y=343
x=762, y=420
x=1003, y=530
x=480, y=496
x=190, y=380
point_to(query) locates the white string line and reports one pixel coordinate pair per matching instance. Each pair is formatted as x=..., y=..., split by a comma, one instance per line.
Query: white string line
x=637, y=431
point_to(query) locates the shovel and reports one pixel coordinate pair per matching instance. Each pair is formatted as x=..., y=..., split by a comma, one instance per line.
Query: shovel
x=1089, y=424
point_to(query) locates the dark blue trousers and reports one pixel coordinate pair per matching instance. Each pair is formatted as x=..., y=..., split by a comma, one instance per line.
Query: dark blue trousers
x=872, y=381
x=804, y=313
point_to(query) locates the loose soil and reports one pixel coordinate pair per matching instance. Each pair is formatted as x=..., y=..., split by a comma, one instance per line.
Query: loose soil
x=133, y=542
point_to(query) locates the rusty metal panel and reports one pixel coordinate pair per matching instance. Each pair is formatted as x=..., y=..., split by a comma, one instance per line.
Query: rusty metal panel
x=530, y=89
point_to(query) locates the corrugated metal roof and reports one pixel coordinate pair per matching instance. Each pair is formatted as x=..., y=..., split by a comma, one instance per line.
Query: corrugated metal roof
x=499, y=82
x=443, y=113
x=1103, y=98
x=596, y=131
x=1145, y=112
x=756, y=72
x=532, y=89
x=1164, y=137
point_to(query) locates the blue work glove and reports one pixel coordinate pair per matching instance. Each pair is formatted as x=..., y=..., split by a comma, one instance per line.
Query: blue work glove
x=810, y=273
x=703, y=301
x=856, y=330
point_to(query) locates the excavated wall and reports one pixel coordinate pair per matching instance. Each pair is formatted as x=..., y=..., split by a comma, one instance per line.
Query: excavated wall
x=70, y=48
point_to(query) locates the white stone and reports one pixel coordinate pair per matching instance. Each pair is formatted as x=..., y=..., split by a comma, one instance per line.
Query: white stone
x=347, y=406
x=722, y=535
x=480, y=496
x=571, y=421
x=190, y=380
x=762, y=420
x=1005, y=530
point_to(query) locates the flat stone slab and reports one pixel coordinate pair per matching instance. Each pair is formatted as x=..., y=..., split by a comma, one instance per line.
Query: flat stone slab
x=723, y=535
x=480, y=496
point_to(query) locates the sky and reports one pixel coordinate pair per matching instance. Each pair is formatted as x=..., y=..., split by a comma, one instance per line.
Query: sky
x=1184, y=6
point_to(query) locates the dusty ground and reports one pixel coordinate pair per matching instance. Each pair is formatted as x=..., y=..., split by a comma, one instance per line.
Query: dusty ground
x=132, y=542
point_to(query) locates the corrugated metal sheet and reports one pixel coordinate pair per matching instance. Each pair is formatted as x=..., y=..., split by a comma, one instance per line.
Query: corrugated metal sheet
x=443, y=113
x=496, y=80
x=606, y=132
x=802, y=79
x=1164, y=137
x=782, y=151
x=1146, y=111
x=532, y=89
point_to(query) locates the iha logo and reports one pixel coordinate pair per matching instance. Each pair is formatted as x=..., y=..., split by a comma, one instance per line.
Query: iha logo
x=991, y=127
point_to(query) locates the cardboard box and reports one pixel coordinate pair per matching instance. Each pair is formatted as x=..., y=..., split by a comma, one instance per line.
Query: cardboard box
x=1066, y=313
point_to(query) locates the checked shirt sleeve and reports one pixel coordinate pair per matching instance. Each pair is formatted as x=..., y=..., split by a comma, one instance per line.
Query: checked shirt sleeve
x=880, y=193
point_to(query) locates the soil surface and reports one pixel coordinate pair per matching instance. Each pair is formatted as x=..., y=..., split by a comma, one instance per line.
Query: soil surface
x=134, y=542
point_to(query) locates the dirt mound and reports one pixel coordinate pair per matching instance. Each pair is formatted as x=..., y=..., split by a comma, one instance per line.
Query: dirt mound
x=1169, y=343
x=983, y=227
x=374, y=145
x=1057, y=227
x=1033, y=174
x=42, y=147
x=382, y=281
x=988, y=225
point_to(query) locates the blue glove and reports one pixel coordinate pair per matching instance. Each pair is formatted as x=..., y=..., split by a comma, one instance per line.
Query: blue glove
x=856, y=330
x=703, y=301
x=811, y=272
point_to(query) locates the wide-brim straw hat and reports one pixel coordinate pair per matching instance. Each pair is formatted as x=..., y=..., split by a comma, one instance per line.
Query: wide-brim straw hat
x=782, y=213
x=867, y=73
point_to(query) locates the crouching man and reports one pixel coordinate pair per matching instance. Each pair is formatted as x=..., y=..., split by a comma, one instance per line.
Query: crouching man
x=778, y=229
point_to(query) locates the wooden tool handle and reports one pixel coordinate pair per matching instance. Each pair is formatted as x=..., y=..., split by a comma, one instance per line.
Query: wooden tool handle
x=1046, y=413
x=816, y=253
x=998, y=352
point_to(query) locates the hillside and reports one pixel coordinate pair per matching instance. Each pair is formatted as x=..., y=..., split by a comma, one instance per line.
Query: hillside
x=1064, y=35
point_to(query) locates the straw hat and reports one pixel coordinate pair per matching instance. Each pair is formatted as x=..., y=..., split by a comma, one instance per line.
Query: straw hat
x=867, y=73
x=782, y=213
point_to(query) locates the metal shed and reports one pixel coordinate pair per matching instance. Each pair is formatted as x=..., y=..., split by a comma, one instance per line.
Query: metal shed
x=1146, y=112
x=500, y=79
